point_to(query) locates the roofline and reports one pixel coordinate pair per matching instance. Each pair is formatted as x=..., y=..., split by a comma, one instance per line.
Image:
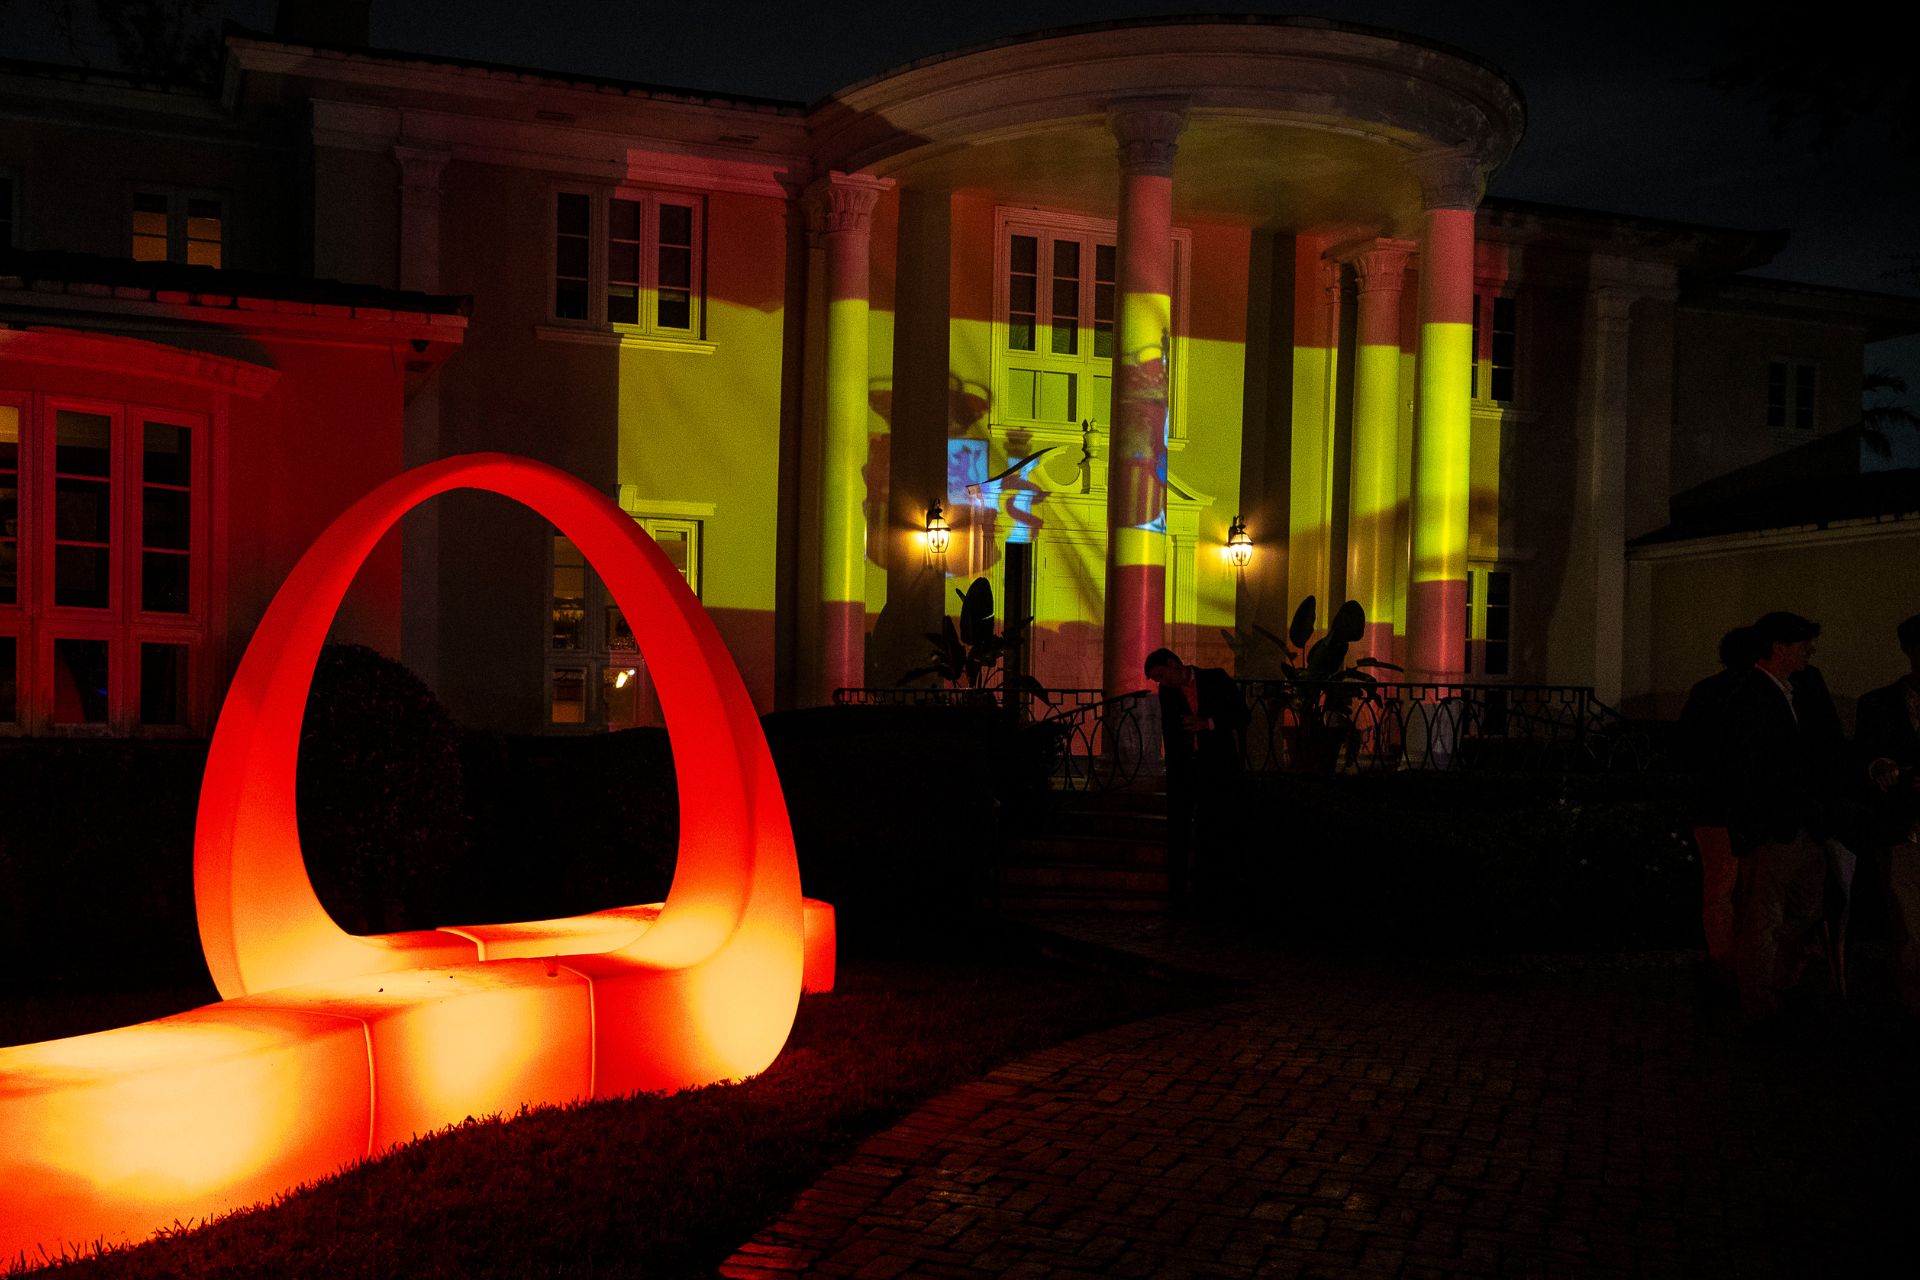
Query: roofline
x=1613, y=217
x=1191, y=20
x=237, y=36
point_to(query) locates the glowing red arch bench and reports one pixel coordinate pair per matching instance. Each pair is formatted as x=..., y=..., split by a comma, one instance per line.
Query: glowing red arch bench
x=329, y=1047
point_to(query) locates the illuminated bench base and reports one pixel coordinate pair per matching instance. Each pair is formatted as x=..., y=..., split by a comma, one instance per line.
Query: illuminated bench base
x=116, y=1134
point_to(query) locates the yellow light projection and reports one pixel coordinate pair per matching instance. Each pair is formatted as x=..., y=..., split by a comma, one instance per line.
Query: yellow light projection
x=330, y=1047
x=1437, y=591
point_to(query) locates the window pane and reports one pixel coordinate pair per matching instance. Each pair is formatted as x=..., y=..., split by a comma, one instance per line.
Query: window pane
x=201, y=253
x=166, y=582
x=676, y=310
x=570, y=300
x=83, y=443
x=1020, y=335
x=619, y=634
x=9, y=437
x=676, y=224
x=569, y=606
x=9, y=680
x=1066, y=259
x=166, y=519
x=80, y=681
x=167, y=454
x=9, y=572
x=573, y=212
x=1803, y=398
x=620, y=691
x=1025, y=254
x=676, y=268
x=623, y=220
x=569, y=696
x=623, y=262
x=80, y=577
x=1066, y=338
x=1103, y=263
x=163, y=684
x=1020, y=295
x=570, y=257
x=82, y=510
x=623, y=304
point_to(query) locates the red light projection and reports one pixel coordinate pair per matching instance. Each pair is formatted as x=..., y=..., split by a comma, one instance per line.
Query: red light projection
x=329, y=1047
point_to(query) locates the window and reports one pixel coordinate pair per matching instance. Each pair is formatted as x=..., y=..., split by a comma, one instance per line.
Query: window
x=1790, y=386
x=103, y=562
x=629, y=259
x=595, y=676
x=174, y=226
x=1060, y=296
x=1489, y=622
x=9, y=215
x=1495, y=347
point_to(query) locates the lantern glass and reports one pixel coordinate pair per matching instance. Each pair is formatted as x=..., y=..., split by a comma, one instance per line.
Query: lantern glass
x=938, y=532
x=1239, y=544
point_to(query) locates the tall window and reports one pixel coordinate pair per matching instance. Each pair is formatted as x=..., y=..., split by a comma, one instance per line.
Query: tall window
x=1495, y=347
x=103, y=554
x=1790, y=387
x=1060, y=296
x=1489, y=622
x=175, y=226
x=628, y=258
x=595, y=676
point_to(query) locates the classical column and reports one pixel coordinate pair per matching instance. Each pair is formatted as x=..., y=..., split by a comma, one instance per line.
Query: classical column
x=1604, y=414
x=1136, y=592
x=1311, y=443
x=1373, y=499
x=1437, y=586
x=419, y=269
x=843, y=207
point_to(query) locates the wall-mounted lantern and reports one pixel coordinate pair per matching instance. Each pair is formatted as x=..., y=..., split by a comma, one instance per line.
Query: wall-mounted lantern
x=1239, y=543
x=938, y=533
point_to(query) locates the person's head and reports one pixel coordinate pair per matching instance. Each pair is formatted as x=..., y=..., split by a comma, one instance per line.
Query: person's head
x=1909, y=636
x=1785, y=641
x=1164, y=668
x=1740, y=648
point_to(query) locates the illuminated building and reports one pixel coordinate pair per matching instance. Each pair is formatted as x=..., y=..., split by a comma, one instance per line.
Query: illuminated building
x=1201, y=268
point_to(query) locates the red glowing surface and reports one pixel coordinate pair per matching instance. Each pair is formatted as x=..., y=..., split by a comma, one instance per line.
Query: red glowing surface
x=329, y=1047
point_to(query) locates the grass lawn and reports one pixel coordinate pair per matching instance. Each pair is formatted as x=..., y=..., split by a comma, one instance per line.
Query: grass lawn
x=660, y=1186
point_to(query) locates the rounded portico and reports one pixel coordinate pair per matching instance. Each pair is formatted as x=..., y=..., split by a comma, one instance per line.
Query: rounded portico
x=1134, y=237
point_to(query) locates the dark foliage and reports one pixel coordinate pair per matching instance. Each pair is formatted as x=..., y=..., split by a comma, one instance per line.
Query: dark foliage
x=382, y=809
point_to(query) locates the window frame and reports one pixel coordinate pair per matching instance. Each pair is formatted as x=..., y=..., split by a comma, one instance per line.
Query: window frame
x=179, y=202
x=36, y=623
x=1049, y=227
x=10, y=232
x=599, y=657
x=1487, y=295
x=599, y=228
x=1800, y=371
x=1479, y=602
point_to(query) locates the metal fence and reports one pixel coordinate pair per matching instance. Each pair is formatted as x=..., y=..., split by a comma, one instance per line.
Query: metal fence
x=1097, y=743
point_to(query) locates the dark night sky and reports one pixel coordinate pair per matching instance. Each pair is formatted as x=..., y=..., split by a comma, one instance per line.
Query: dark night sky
x=1620, y=112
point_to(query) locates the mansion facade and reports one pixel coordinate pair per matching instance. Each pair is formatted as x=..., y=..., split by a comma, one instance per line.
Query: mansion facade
x=1096, y=295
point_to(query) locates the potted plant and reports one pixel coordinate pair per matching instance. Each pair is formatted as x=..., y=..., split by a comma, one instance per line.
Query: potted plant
x=972, y=655
x=1321, y=692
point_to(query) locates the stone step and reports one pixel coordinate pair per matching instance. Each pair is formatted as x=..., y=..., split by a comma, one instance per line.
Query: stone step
x=1085, y=850
x=1110, y=880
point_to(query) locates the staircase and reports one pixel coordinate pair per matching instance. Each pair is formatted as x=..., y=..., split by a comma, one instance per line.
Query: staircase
x=1103, y=851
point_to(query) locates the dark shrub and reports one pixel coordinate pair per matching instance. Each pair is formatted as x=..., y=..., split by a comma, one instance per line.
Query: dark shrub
x=382, y=814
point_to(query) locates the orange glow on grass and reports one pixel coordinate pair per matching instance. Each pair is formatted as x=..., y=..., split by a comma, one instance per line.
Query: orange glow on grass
x=329, y=1046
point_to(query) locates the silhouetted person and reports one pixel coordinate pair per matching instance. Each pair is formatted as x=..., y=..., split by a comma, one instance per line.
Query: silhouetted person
x=1887, y=745
x=1702, y=743
x=1201, y=717
x=1778, y=771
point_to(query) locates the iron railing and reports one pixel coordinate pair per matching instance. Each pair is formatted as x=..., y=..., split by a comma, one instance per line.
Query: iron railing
x=1093, y=742
x=1097, y=743
x=1341, y=727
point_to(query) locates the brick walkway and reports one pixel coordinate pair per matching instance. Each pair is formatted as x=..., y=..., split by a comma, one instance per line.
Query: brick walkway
x=1346, y=1120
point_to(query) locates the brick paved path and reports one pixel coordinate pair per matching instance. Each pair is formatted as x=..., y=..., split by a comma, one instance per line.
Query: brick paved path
x=1354, y=1121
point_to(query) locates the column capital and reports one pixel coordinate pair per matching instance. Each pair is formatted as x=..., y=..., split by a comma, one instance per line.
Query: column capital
x=420, y=168
x=844, y=202
x=1451, y=179
x=1148, y=131
x=1380, y=266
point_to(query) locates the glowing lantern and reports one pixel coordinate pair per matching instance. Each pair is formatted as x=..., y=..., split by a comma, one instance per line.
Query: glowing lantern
x=329, y=1047
x=1239, y=544
x=938, y=532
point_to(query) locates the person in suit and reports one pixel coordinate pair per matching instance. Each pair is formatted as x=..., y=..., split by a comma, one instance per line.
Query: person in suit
x=1778, y=770
x=1887, y=744
x=1202, y=716
x=1701, y=739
